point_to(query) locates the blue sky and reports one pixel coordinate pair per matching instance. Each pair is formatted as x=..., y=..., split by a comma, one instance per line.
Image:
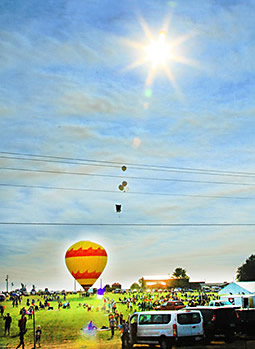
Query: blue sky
x=66, y=91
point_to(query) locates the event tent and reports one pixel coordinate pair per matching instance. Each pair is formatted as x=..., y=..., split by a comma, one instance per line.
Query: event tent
x=242, y=287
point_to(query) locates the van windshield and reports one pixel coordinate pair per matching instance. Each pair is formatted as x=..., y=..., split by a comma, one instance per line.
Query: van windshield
x=188, y=318
x=153, y=319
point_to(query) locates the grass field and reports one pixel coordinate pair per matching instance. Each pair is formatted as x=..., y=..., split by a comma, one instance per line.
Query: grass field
x=64, y=328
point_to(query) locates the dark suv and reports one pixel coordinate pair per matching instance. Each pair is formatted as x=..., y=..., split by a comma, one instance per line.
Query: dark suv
x=219, y=321
x=246, y=319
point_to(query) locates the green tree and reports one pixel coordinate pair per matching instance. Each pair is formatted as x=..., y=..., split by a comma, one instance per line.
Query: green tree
x=142, y=284
x=108, y=288
x=135, y=286
x=180, y=273
x=246, y=272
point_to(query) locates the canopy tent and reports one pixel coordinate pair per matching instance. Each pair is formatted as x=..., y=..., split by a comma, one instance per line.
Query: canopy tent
x=242, y=287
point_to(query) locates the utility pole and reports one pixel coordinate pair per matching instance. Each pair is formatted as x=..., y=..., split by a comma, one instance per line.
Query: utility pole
x=7, y=281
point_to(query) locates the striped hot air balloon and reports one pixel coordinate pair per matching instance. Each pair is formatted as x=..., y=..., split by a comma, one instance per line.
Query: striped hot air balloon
x=86, y=261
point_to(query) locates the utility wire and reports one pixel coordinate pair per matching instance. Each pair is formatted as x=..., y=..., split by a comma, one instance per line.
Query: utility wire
x=126, y=177
x=127, y=192
x=132, y=165
x=69, y=162
x=132, y=224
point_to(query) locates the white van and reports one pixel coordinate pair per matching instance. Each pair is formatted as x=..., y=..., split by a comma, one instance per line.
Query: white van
x=164, y=327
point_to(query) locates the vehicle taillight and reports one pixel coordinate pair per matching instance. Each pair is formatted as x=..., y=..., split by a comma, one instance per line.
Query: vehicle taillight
x=237, y=315
x=174, y=330
x=214, y=317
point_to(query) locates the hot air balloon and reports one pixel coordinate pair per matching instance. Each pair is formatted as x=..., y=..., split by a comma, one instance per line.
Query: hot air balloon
x=86, y=261
x=121, y=187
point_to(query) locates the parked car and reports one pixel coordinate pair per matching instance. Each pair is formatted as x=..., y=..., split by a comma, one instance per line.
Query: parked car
x=164, y=328
x=219, y=321
x=219, y=303
x=171, y=305
x=117, y=290
x=246, y=321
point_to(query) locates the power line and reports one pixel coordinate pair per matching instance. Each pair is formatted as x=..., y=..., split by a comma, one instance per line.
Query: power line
x=126, y=177
x=131, y=224
x=128, y=192
x=57, y=161
x=104, y=163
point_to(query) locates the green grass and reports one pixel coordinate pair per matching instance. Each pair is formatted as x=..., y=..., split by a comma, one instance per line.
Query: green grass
x=65, y=325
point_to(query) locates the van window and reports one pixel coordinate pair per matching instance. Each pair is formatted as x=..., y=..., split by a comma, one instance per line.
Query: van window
x=152, y=319
x=188, y=318
x=133, y=319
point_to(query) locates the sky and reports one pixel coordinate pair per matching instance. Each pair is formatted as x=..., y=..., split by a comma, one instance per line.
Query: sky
x=76, y=96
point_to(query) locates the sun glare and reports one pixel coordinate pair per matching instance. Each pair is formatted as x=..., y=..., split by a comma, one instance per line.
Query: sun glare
x=159, y=53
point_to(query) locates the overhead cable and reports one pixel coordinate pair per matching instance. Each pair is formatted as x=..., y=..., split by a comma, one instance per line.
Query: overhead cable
x=94, y=162
x=127, y=192
x=126, y=177
x=131, y=224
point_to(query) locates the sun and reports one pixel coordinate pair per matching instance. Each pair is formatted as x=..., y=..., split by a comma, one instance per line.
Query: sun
x=159, y=53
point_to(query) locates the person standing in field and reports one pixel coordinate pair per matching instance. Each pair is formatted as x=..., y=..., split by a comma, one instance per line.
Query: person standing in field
x=22, y=330
x=7, y=325
x=21, y=340
x=121, y=318
x=38, y=335
x=112, y=323
x=22, y=323
x=2, y=310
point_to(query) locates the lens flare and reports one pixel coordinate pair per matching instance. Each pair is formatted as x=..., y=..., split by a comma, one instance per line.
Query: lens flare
x=160, y=54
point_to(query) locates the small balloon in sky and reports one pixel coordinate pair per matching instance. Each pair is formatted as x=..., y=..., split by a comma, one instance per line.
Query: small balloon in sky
x=124, y=183
x=123, y=168
x=86, y=261
x=121, y=187
x=118, y=208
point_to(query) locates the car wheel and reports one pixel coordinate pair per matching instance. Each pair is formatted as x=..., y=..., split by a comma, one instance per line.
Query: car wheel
x=164, y=344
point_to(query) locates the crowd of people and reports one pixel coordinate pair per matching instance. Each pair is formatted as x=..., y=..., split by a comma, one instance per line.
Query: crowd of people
x=130, y=302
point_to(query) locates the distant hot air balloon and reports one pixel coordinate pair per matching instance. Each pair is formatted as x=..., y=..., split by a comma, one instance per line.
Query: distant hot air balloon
x=86, y=261
x=118, y=208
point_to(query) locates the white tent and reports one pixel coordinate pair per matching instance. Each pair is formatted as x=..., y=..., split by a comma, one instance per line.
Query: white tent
x=242, y=288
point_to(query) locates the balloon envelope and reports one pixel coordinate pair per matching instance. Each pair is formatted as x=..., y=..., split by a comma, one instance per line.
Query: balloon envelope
x=86, y=261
